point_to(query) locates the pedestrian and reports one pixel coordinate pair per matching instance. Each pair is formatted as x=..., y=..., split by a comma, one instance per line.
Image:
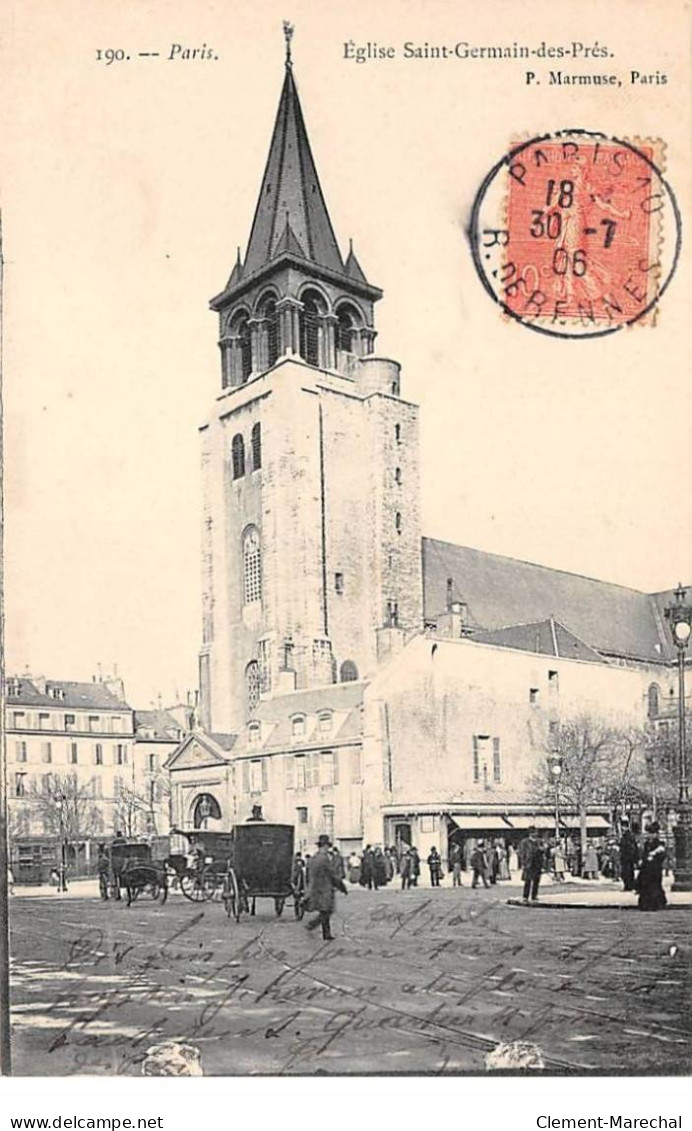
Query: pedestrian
x=591, y=862
x=650, y=879
x=323, y=883
x=256, y=814
x=379, y=869
x=395, y=854
x=493, y=862
x=415, y=867
x=405, y=870
x=354, y=868
x=455, y=861
x=103, y=871
x=338, y=862
x=479, y=863
x=629, y=855
x=298, y=873
x=531, y=858
x=367, y=871
x=512, y=859
x=434, y=863
x=558, y=862
x=504, y=873
x=388, y=865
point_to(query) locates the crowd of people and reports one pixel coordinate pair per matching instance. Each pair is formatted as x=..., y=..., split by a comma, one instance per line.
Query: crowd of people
x=636, y=862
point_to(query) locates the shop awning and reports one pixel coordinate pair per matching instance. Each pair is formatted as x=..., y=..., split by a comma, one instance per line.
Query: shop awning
x=592, y=822
x=540, y=821
x=474, y=823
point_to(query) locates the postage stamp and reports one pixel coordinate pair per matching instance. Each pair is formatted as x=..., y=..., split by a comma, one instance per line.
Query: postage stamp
x=576, y=234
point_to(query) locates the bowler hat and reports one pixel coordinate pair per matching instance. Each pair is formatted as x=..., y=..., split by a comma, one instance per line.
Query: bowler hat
x=323, y=840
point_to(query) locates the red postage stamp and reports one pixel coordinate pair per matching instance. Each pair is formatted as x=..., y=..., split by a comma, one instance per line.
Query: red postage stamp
x=578, y=246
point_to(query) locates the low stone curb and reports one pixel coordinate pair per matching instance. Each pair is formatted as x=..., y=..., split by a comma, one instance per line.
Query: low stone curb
x=545, y=905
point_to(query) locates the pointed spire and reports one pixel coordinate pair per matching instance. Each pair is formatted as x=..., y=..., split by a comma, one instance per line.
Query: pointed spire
x=290, y=193
x=352, y=266
x=237, y=272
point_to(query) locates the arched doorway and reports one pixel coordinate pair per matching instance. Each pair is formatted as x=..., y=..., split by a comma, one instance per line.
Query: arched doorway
x=206, y=808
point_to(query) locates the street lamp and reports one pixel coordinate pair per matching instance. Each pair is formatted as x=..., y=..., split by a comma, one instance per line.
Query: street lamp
x=679, y=617
x=555, y=762
x=62, y=881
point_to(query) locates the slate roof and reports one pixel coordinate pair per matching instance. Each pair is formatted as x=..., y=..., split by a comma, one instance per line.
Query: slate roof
x=343, y=699
x=79, y=695
x=165, y=728
x=291, y=194
x=501, y=592
x=547, y=637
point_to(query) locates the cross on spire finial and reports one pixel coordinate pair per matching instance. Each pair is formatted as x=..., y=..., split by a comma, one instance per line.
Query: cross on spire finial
x=288, y=36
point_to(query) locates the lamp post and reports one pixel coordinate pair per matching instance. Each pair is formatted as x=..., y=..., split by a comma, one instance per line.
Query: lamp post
x=556, y=770
x=62, y=881
x=679, y=617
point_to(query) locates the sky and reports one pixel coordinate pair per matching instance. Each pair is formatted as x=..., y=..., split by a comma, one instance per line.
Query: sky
x=127, y=188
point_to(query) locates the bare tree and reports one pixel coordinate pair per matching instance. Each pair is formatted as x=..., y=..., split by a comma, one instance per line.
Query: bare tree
x=135, y=810
x=596, y=760
x=66, y=806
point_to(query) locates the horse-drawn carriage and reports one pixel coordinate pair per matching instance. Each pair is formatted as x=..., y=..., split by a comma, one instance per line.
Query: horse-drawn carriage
x=253, y=861
x=201, y=870
x=130, y=865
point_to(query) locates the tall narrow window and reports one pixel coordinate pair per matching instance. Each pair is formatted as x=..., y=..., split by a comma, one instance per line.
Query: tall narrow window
x=46, y=752
x=19, y=785
x=345, y=328
x=252, y=685
x=270, y=315
x=476, y=760
x=309, y=328
x=328, y=819
x=397, y=476
x=398, y=522
x=392, y=620
x=252, y=566
x=20, y=748
x=74, y=753
x=653, y=700
x=497, y=765
x=238, y=456
x=256, y=444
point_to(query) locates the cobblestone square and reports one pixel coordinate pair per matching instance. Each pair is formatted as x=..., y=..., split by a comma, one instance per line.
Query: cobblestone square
x=423, y=981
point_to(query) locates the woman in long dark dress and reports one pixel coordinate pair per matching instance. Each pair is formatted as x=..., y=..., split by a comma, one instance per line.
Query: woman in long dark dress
x=650, y=879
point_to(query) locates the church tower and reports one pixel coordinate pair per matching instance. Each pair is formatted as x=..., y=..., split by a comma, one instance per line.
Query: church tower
x=311, y=552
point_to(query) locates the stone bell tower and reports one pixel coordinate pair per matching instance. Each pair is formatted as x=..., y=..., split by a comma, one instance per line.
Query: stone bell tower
x=311, y=533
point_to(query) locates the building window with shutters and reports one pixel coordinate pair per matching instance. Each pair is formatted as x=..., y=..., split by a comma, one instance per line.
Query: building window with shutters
x=70, y=722
x=302, y=815
x=20, y=785
x=653, y=700
x=258, y=775
x=120, y=755
x=328, y=820
x=252, y=566
x=18, y=720
x=43, y=720
x=46, y=752
x=20, y=751
x=300, y=771
x=74, y=754
x=476, y=760
x=237, y=456
x=256, y=446
x=98, y=754
x=497, y=765
x=329, y=768
x=94, y=721
x=325, y=722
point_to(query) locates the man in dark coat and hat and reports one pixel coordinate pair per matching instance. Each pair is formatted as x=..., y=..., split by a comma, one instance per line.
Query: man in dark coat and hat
x=323, y=881
x=629, y=855
x=531, y=858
